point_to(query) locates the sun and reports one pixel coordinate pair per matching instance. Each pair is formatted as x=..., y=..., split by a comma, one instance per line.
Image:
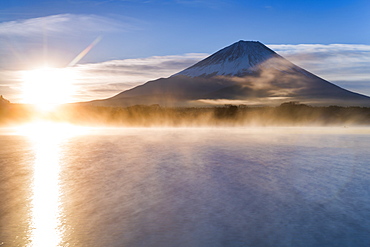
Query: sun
x=48, y=87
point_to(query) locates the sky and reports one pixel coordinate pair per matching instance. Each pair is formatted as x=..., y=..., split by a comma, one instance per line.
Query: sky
x=128, y=42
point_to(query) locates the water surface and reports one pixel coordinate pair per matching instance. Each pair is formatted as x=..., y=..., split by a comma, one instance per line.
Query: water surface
x=185, y=187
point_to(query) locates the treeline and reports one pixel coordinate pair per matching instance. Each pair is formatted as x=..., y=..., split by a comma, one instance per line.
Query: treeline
x=287, y=114
x=290, y=113
x=11, y=114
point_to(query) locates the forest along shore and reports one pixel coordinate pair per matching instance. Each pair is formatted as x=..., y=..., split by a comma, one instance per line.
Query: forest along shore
x=286, y=114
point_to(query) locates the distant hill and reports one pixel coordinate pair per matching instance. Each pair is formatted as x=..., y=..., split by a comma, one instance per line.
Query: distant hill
x=246, y=72
x=4, y=101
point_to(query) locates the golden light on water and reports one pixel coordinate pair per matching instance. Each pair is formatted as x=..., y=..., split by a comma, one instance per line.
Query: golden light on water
x=45, y=200
x=48, y=87
x=47, y=138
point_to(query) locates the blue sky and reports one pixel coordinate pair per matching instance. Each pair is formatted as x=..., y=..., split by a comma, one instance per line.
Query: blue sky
x=165, y=36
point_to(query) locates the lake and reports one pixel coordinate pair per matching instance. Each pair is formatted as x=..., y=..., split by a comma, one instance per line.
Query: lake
x=73, y=186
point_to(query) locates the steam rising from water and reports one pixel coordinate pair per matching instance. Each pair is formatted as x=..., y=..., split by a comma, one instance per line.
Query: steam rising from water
x=190, y=187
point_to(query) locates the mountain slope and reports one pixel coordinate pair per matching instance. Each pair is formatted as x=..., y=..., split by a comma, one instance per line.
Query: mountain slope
x=246, y=72
x=235, y=60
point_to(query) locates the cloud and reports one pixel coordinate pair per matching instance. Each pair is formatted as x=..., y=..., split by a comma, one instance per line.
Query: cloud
x=344, y=65
x=277, y=80
x=70, y=24
x=158, y=65
x=10, y=85
x=249, y=102
x=102, y=80
x=58, y=39
x=347, y=65
x=7, y=90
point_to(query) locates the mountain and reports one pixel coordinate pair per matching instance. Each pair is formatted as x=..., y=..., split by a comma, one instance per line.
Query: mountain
x=246, y=72
x=238, y=59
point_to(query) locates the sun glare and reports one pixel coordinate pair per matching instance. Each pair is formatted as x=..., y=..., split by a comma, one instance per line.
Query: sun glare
x=48, y=87
x=47, y=137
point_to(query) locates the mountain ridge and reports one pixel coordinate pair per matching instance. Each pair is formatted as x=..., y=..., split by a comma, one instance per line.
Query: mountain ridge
x=234, y=60
x=246, y=71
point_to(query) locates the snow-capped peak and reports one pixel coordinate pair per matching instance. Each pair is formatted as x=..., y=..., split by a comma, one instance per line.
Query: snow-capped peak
x=235, y=60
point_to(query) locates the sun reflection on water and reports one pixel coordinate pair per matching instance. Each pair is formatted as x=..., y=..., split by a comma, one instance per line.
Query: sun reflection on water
x=47, y=138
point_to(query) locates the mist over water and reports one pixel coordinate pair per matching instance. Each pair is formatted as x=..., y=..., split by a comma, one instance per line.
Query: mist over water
x=196, y=187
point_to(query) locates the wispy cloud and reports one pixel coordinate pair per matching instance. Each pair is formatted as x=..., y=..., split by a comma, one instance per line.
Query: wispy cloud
x=11, y=85
x=102, y=80
x=347, y=65
x=61, y=24
x=57, y=37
